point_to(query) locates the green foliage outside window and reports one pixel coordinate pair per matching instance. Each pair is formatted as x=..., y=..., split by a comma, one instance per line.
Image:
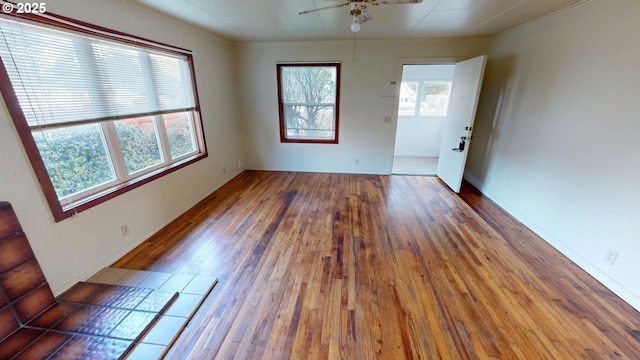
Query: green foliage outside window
x=75, y=158
x=140, y=148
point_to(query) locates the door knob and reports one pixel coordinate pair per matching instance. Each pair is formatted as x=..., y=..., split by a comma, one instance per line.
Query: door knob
x=463, y=141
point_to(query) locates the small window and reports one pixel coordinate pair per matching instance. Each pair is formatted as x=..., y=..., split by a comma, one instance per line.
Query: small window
x=435, y=98
x=98, y=112
x=408, y=98
x=308, y=96
x=433, y=95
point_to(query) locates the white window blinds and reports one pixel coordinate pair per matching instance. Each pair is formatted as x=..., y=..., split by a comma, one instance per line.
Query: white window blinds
x=61, y=78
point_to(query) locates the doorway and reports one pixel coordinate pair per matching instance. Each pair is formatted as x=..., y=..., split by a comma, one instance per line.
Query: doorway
x=422, y=112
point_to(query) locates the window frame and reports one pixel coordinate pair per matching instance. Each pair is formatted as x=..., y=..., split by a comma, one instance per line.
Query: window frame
x=400, y=102
x=60, y=211
x=281, y=112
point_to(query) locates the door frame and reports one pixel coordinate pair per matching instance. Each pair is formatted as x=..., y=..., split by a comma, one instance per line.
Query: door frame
x=396, y=96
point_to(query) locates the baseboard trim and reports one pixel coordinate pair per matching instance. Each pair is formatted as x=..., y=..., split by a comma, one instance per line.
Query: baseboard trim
x=617, y=288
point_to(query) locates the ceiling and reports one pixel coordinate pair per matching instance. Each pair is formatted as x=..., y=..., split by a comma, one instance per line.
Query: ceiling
x=278, y=20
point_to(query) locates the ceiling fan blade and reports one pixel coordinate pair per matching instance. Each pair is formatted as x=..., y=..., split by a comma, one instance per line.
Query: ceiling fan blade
x=326, y=7
x=401, y=1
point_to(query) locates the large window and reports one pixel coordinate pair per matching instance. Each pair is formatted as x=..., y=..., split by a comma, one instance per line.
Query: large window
x=308, y=97
x=99, y=112
x=424, y=98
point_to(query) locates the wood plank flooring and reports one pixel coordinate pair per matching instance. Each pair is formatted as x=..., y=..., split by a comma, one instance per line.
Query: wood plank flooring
x=339, y=266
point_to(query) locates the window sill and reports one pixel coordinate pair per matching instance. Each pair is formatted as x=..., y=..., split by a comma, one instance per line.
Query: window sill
x=63, y=212
x=309, y=141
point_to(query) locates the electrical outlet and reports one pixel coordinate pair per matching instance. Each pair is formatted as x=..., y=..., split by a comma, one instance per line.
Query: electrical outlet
x=239, y=164
x=611, y=256
x=124, y=229
x=357, y=162
x=224, y=170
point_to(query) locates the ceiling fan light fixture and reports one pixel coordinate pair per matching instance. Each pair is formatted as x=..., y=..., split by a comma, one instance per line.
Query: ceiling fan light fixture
x=355, y=25
x=359, y=9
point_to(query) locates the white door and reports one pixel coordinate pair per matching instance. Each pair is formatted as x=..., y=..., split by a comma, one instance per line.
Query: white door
x=463, y=101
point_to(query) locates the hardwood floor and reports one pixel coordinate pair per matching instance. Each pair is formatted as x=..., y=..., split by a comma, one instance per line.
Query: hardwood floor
x=331, y=266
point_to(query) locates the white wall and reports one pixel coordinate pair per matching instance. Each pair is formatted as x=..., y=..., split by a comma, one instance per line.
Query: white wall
x=76, y=248
x=419, y=135
x=556, y=135
x=363, y=133
x=422, y=135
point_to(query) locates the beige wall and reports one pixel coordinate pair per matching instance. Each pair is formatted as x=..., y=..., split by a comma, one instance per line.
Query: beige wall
x=556, y=132
x=365, y=82
x=76, y=248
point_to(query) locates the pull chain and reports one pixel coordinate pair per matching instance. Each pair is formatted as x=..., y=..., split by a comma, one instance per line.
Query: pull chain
x=354, y=47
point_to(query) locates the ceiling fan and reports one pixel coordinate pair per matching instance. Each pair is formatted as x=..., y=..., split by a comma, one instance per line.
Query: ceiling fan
x=359, y=10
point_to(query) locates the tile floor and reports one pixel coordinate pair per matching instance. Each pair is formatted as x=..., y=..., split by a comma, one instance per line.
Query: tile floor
x=119, y=313
x=89, y=321
x=192, y=291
